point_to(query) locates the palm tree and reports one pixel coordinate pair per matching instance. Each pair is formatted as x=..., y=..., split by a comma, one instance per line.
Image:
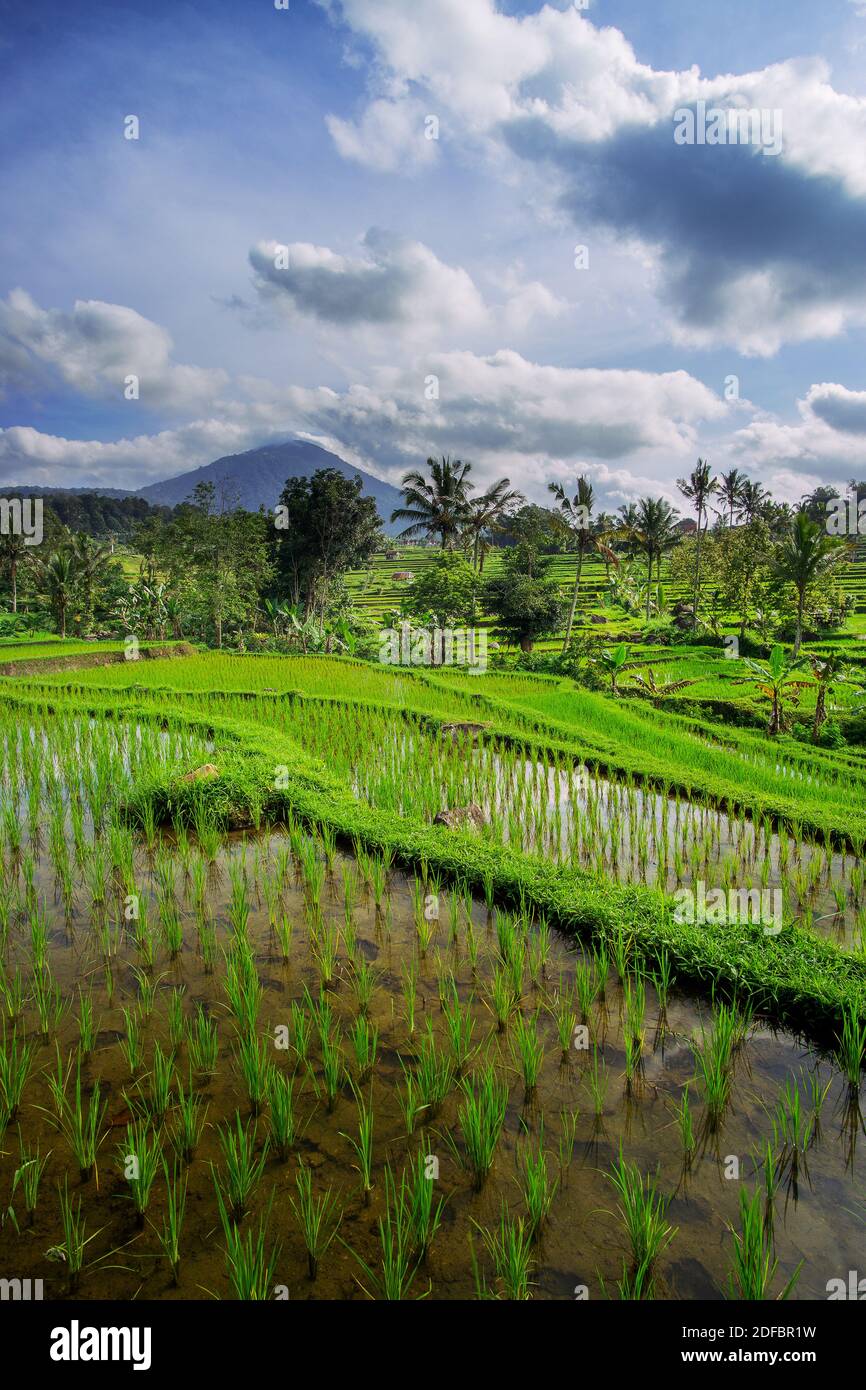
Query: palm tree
x=484, y=512
x=628, y=530
x=775, y=680
x=698, y=488
x=58, y=575
x=731, y=491
x=658, y=534
x=649, y=684
x=752, y=501
x=13, y=549
x=802, y=557
x=436, y=506
x=90, y=560
x=577, y=514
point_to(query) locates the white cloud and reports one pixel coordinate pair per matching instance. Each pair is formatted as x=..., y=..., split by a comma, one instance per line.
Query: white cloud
x=95, y=348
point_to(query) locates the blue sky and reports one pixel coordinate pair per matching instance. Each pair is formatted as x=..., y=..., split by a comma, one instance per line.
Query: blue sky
x=283, y=252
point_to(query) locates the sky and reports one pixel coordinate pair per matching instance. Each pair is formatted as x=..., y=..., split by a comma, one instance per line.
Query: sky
x=536, y=237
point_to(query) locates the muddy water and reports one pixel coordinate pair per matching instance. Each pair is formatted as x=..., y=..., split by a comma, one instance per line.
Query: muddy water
x=583, y=1243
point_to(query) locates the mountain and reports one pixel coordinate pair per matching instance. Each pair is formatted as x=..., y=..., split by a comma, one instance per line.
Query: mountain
x=257, y=477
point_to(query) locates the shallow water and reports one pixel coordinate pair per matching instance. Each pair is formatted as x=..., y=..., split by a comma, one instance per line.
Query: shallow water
x=583, y=1243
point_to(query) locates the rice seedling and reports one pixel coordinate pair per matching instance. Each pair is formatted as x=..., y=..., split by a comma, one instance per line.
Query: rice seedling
x=75, y=1240
x=176, y=1020
x=596, y=1082
x=567, y=1135
x=16, y=1059
x=50, y=1004
x=364, y=1037
x=410, y=995
x=434, y=1071
x=189, y=1121
x=254, y=1064
x=395, y=1273
x=140, y=1159
x=510, y=1248
x=753, y=1268
x=642, y=1211
x=501, y=998
x=851, y=1048
x=318, y=1218
x=326, y=953
x=250, y=1266
x=161, y=1077
x=301, y=1030
x=683, y=1115
x=362, y=1146
x=169, y=1232
x=527, y=1051
x=713, y=1058
x=83, y=1128
x=147, y=986
x=363, y=980
x=562, y=1009
x=203, y=1043
x=242, y=1170
x=459, y=1025
x=132, y=1044
x=423, y=1209
x=284, y=928
x=28, y=1175
x=282, y=1127
x=12, y=993
x=536, y=1185
x=480, y=1117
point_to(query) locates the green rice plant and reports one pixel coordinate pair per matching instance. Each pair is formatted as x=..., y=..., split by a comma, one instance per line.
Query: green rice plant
x=171, y=1228
x=562, y=1009
x=301, y=1028
x=12, y=993
x=567, y=1135
x=364, y=1037
x=753, y=1268
x=596, y=1082
x=147, y=986
x=82, y=1127
x=50, y=1004
x=409, y=1099
x=75, y=1240
x=663, y=978
x=363, y=1144
x=284, y=928
x=249, y=1264
x=16, y=1059
x=239, y=902
x=363, y=981
x=319, y=1218
x=683, y=1115
x=510, y=1248
x=397, y=1266
x=242, y=986
x=333, y=1064
x=171, y=926
x=642, y=1211
x=140, y=1159
x=132, y=1045
x=536, y=1184
x=480, y=1117
x=410, y=995
x=527, y=1051
x=203, y=1043
x=242, y=1170
x=326, y=953
x=282, y=1127
x=87, y=1026
x=176, y=1021
x=501, y=998
x=713, y=1055
x=254, y=1063
x=423, y=1209
x=189, y=1121
x=459, y=1025
x=434, y=1071
x=622, y=947
x=28, y=1175
x=851, y=1048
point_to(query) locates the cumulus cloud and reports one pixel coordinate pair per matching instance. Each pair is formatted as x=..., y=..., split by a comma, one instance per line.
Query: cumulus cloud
x=825, y=443
x=503, y=412
x=396, y=282
x=94, y=349
x=753, y=249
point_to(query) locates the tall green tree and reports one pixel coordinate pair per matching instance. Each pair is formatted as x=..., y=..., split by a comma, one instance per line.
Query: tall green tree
x=801, y=558
x=577, y=514
x=323, y=526
x=437, y=505
x=698, y=488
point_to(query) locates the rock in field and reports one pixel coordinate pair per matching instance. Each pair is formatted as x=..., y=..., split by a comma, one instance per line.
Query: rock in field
x=200, y=774
x=469, y=817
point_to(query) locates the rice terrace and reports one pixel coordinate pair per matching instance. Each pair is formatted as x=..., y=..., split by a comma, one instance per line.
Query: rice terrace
x=433, y=766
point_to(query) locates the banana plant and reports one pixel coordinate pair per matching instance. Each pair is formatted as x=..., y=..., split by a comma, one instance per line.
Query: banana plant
x=775, y=680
